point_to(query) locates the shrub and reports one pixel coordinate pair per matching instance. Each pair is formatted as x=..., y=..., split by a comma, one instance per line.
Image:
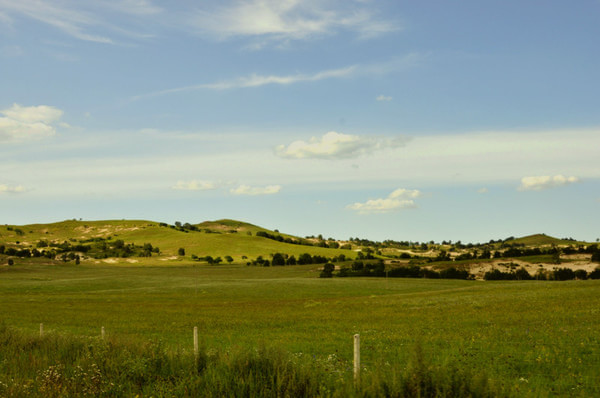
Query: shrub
x=595, y=274
x=563, y=274
x=581, y=274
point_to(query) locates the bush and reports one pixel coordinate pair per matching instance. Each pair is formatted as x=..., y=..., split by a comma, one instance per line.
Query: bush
x=581, y=274
x=595, y=274
x=563, y=274
x=453, y=273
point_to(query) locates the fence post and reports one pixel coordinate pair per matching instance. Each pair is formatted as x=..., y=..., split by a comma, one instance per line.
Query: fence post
x=196, y=341
x=41, y=329
x=102, y=332
x=356, y=357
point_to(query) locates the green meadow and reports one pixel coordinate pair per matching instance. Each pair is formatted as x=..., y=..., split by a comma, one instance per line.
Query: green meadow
x=527, y=338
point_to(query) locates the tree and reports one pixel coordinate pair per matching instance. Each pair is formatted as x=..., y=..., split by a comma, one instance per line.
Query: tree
x=305, y=258
x=181, y=251
x=278, y=259
x=357, y=265
x=229, y=259
x=11, y=261
x=327, y=270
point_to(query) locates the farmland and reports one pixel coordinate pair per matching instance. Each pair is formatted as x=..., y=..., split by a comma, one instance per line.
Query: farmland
x=528, y=338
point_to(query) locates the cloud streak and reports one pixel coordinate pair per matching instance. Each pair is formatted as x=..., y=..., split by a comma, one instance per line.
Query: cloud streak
x=11, y=189
x=396, y=64
x=539, y=183
x=257, y=80
x=335, y=145
x=255, y=191
x=399, y=199
x=70, y=17
x=194, y=185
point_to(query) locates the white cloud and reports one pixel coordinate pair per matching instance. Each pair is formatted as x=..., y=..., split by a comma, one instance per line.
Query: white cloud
x=11, y=189
x=383, y=98
x=538, y=183
x=335, y=145
x=253, y=191
x=399, y=199
x=23, y=123
x=283, y=20
x=194, y=185
x=482, y=190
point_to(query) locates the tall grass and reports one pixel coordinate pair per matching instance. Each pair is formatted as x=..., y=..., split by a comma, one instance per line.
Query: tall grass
x=57, y=365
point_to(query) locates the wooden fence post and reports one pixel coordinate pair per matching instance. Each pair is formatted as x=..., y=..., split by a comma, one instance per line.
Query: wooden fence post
x=196, y=341
x=356, y=357
x=102, y=332
x=41, y=329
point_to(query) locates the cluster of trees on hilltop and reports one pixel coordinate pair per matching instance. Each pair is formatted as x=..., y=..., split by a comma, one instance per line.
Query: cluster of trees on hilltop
x=304, y=242
x=377, y=269
x=559, y=274
x=280, y=259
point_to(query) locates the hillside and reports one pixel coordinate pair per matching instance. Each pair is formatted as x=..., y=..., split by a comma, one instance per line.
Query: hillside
x=542, y=240
x=215, y=238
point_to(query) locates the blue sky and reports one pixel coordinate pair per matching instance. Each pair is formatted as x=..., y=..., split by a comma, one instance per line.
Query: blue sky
x=429, y=120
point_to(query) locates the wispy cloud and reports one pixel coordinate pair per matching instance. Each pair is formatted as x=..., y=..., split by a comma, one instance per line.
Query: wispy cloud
x=254, y=191
x=283, y=20
x=11, y=188
x=23, y=123
x=87, y=21
x=335, y=145
x=71, y=21
x=396, y=64
x=538, y=183
x=194, y=185
x=399, y=199
x=256, y=80
x=383, y=98
x=482, y=190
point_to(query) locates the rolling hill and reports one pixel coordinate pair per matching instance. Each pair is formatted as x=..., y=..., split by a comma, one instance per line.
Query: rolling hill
x=215, y=238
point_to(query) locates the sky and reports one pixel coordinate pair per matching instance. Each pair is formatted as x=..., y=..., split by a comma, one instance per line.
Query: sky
x=428, y=120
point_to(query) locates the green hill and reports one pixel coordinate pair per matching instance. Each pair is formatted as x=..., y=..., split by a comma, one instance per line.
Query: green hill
x=211, y=238
x=542, y=240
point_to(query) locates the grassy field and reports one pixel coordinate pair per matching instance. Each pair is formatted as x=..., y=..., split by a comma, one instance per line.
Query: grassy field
x=533, y=338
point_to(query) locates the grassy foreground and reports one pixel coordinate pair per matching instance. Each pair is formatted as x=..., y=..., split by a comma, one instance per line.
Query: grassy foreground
x=517, y=338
